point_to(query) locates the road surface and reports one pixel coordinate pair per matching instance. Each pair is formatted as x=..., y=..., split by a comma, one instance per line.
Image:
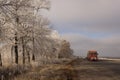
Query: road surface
x=99, y=70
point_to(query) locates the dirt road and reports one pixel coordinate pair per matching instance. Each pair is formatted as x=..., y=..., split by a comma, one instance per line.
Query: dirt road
x=101, y=70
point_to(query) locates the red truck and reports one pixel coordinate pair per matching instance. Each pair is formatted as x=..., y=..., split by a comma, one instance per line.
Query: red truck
x=92, y=55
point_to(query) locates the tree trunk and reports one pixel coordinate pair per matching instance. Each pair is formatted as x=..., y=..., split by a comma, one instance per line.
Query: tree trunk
x=33, y=57
x=28, y=56
x=16, y=36
x=12, y=48
x=23, y=52
x=16, y=49
x=33, y=53
x=0, y=60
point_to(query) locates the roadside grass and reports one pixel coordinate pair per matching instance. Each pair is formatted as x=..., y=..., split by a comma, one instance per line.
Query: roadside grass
x=59, y=71
x=8, y=73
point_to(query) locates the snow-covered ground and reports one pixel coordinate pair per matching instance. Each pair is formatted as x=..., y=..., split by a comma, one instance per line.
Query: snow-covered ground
x=114, y=59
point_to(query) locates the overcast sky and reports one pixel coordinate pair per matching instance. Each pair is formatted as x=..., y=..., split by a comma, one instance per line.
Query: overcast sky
x=88, y=25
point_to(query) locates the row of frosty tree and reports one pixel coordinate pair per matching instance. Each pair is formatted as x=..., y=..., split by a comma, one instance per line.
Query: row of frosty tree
x=26, y=31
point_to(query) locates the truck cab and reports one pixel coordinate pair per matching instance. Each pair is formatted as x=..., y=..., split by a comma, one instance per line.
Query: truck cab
x=92, y=55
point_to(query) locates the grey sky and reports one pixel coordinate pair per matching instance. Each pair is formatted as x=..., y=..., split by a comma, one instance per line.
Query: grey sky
x=88, y=24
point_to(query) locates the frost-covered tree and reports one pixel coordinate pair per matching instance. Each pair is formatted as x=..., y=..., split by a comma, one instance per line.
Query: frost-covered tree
x=65, y=50
x=21, y=25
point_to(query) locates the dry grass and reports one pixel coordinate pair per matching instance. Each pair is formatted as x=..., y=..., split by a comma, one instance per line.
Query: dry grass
x=71, y=70
x=50, y=72
x=60, y=71
x=8, y=73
